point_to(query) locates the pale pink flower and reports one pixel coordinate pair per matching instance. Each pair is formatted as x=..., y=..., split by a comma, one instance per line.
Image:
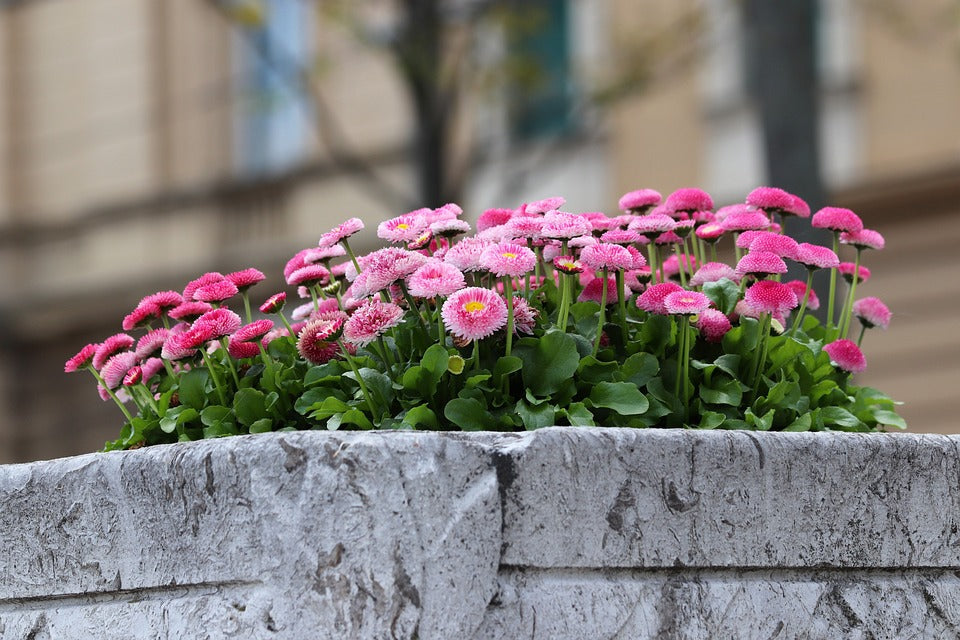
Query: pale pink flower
x=371, y=320
x=600, y=221
x=340, y=232
x=474, y=313
x=300, y=260
x=606, y=256
x=151, y=342
x=846, y=355
x=668, y=237
x=151, y=367
x=689, y=200
x=871, y=312
x=246, y=278
x=274, y=303
x=435, y=278
x=81, y=359
x=713, y=325
x=323, y=254
x=542, y=206
x=567, y=264
x=712, y=272
x=219, y=322
x=110, y=346
x=449, y=228
x=863, y=239
x=215, y=291
x=465, y=255
x=117, y=367
x=684, y=227
x=846, y=269
x=814, y=257
x=404, y=228
x=623, y=236
x=746, y=220
x=508, y=259
x=494, y=218
x=523, y=227
x=639, y=200
x=593, y=291
x=524, y=316
x=769, y=296
x=582, y=241
x=207, y=278
x=309, y=275
x=651, y=300
x=652, y=224
x=836, y=219
x=559, y=225
x=303, y=311
x=760, y=264
x=316, y=341
x=687, y=303
x=800, y=289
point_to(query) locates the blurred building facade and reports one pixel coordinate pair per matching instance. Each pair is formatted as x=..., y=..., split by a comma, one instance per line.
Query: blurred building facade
x=144, y=143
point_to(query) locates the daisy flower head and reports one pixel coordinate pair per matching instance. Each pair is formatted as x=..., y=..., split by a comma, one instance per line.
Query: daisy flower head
x=81, y=359
x=652, y=224
x=240, y=349
x=761, y=264
x=308, y=275
x=746, y=220
x=846, y=355
x=639, y=201
x=322, y=254
x=542, y=206
x=274, y=303
x=189, y=310
x=114, y=369
x=652, y=299
x=405, y=228
x=836, y=219
x=712, y=272
x=215, y=291
x=639, y=261
x=524, y=227
x=800, y=288
x=110, y=346
x=151, y=367
x=622, y=236
x=253, y=331
x=710, y=232
x=162, y=300
x=606, y=256
x=872, y=312
x=435, y=278
x=474, y=313
x=302, y=312
x=770, y=199
x=465, y=255
x=863, y=239
x=769, y=296
x=814, y=257
x=713, y=325
x=689, y=200
x=340, y=232
x=494, y=218
x=207, y=278
x=524, y=316
x=637, y=279
x=371, y=320
x=508, y=259
x=316, y=342
x=775, y=243
x=449, y=228
x=134, y=376
x=151, y=342
x=746, y=238
x=567, y=264
x=600, y=222
x=686, y=303
x=142, y=315
x=671, y=266
x=559, y=226
x=668, y=237
x=218, y=322
x=246, y=278
x=847, y=269
x=798, y=207
x=593, y=291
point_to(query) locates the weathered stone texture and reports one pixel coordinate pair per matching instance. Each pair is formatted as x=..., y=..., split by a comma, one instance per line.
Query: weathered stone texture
x=560, y=533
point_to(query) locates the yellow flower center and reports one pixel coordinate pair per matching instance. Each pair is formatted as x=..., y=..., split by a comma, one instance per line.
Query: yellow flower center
x=474, y=306
x=403, y=225
x=509, y=255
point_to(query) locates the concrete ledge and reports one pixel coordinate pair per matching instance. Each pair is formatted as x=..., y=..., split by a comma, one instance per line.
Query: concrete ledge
x=559, y=533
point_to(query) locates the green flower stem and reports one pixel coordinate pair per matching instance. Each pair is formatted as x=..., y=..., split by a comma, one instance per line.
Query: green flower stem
x=697, y=249
x=652, y=253
x=169, y=368
x=313, y=296
x=803, y=304
x=110, y=392
x=622, y=300
x=783, y=223
x=681, y=338
x=441, y=337
x=166, y=321
x=833, y=284
x=847, y=314
x=214, y=376
x=414, y=307
x=681, y=262
x=713, y=251
x=230, y=365
x=760, y=358
x=283, y=319
x=736, y=249
x=386, y=355
x=863, y=330
x=353, y=258
x=476, y=355
x=147, y=397
x=603, y=313
x=687, y=344
x=508, y=292
x=363, y=386
x=267, y=361
x=246, y=306
x=539, y=263
x=564, y=301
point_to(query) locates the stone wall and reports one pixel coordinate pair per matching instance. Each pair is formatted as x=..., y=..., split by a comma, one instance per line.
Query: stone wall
x=560, y=533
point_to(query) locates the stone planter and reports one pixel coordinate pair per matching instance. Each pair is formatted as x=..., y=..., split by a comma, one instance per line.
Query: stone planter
x=560, y=533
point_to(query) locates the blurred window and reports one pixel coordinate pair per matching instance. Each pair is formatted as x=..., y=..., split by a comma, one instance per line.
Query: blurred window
x=273, y=106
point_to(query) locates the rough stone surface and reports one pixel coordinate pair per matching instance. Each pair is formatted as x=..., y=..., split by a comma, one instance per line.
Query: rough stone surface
x=560, y=533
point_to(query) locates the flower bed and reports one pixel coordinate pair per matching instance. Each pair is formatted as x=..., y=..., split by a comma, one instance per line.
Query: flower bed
x=540, y=318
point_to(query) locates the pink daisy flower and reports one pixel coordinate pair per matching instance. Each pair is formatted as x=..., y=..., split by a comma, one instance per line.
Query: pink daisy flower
x=151, y=367
x=846, y=269
x=246, y=278
x=302, y=312
x=639, y=261
x=746, y=238
x=322, y=254
x=775, y=243
x=239, y=349
x=422, y=241
x=713, y=325
x=668, y=237
x=770, y=199
x=689, y=200
x=474, y=313
x=639, y=200
x=542, y=206
x=508, y=259
x=341, y=232
x=686, y=303
x=316, y=341
x=871, y=312
x=371, y=320
x=435, y=278
x=622, y=236
x=760, y=264
x=593, y=291
x=274, y=303
x=403, y=228
x=449, y=228
x=652, y=224
x=559, y=225
x=134, y=376
x=218, y=322
x=746, y=220
x=836, y=219
x=600, y=221
x=298, y=261
x=110, y=346
x=768, y=296
x=151, y=342
x=163, y=300
x=494, y=218
x=567, y=264
x=524, y=316
x=798, y=207
x=117, y=367
x=140, y=316
x=606, y=256
x=465, y=255
x=652, y=299
x=189, y=310
x=710, y=232
x=637, y=279
x=684, y=227
x=524, y=227
x=207, y=278
x=712, y=272
x=81, y=359
x=253, y=331
x=814, y=257
x=799, y=288
x=671, y=266
x=863, y=239
x=215, y=291
x=308, y=275
x=846, y=355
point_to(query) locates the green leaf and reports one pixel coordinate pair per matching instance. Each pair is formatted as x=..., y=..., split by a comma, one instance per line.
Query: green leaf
x=802, y=423
x=578, y=415
x=357, y=418
x=729, y=363
x=378, y=384
x=506, y=365
x=421, y=416
x=711, y=420
x=727, y=392
x=263, y=425
x=435, y=361
x=311, y=399
x=476, y=380
x=724, y=293
x=656, y=333
x=552, y=360
x=889, y=418
x=760, y=423
x=623, y=397
x=215, y=414
x=639, y=368
x=591, y=371
x=536, y=416
x=468, y=414
x=329, y=372
x=840, y=417
x=192, y=389
x=327, y=407
x=178, y=416
x=249, y=405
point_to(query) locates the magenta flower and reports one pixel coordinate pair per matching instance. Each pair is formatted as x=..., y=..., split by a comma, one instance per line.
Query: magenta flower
x=117, y=367
x=836, y=219
x=81, y=359
x=508, y=259
x=494, y=218
x=151, y=367
x=435, y=278
x=863, y=239
x=593, y=291
x=746, y=220
x=671, y=266
x=218, y=323
x=140, y=316
x=151, y=342
x=246, y=278
x=689, y=200
x=370, y=321
x=465, y=255
x=770, y=199
x=110, y=346
x=215, y=291
x=668, y=237
x=253, y=331
x=239, y=349
x=799, y=288
x=639, y=200
x=846, y=269
x=712, y=272
x=274, y=303
x=710, y=232
x=871, y=312
x=846, y=355
x=686, y=303
x=309, y=275
x=816, y=257
x=652, y=299
x=606, y=256
x=340, y=232
x=559, y=226
x=769, y=296
x=474, y=313
x=193, y=285
x=189, y=310
x=162, y=300
x=798, y=207
x=315, y=343
x=652, y=224
x=713, y=325
x=134, y=376
x=775, y=243
x=761, y=264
